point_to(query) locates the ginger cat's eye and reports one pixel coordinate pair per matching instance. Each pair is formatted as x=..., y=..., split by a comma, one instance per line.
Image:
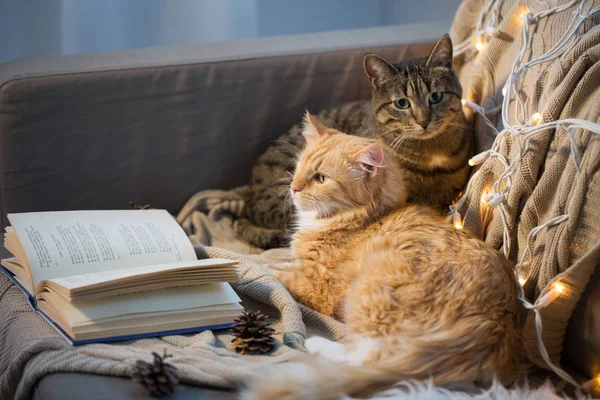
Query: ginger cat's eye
x=320, y=178
x=402, y=104
x=436, y=97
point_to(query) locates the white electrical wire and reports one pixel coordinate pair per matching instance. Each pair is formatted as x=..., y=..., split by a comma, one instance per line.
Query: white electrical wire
x=492, y=8
x=522, y=132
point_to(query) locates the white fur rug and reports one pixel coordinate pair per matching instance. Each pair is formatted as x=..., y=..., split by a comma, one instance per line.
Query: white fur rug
x=423, y=391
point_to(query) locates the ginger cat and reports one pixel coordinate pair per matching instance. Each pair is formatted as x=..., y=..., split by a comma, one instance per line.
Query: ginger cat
x=420, y=298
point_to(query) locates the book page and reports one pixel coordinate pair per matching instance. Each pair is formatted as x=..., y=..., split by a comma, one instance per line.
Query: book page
x=85, y=280
x=155, y=301
x=65, y=243
x=20, y=274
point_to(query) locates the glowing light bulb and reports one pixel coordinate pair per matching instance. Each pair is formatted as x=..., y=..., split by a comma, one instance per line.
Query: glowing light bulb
x=479, y=158
x=463, y=102
x=492, y=31
x=557, y=289
x=591, y=384
x=522, y=281
x=479, y=44
x=486, y=197
x=457, y=220
x=536, y=117
x=526, y=16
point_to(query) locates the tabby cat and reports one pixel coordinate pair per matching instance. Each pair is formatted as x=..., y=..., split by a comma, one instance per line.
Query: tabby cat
x=415, y=109
x=420, y=298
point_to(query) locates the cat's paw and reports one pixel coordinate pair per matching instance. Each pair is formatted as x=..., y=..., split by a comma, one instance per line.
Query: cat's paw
x=326, y=349
x=291, y=381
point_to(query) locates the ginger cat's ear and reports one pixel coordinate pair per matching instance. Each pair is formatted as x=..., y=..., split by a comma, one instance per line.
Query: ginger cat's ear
x=313, y=129
x=441, y=53
x=378, y=69
x=369, y=160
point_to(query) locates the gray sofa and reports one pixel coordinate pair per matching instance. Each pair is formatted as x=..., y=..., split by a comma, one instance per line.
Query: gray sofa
x=157, y=125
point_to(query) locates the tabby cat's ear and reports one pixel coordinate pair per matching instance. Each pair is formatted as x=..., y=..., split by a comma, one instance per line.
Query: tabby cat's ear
x=378, y=69
x=441, y=53
x=369, y=160
x=313, y=128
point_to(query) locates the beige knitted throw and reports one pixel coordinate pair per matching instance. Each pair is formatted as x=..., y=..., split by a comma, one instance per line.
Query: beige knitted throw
x=547, y=181
x=31, y=349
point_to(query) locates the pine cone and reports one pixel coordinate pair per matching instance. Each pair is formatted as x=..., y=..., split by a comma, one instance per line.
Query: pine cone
x=253, y=334
x=159, y=378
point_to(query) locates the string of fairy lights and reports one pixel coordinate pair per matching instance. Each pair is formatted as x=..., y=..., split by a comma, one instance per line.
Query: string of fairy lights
x=523, y=129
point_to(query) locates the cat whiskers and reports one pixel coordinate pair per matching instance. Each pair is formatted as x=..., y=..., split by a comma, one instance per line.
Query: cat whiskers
x=318, y=205
x=397, y=142
x=294, y=151
x=288, y=207
x=283, y=182
x=390, y=131
x=285, y=194
x=288, y=202
x=322, y=209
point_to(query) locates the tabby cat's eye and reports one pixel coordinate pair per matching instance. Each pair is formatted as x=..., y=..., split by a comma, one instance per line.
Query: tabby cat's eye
x=402, y=104
x=435, y=97
x=320, y=178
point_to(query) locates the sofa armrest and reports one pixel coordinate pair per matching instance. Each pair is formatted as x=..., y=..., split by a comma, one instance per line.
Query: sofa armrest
x=156, y=125
x=582, y=341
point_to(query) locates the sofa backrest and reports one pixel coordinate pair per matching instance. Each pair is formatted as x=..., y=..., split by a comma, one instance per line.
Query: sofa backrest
x=156, y=125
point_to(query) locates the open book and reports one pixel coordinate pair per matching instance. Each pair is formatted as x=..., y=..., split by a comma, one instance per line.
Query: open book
x=115, y=275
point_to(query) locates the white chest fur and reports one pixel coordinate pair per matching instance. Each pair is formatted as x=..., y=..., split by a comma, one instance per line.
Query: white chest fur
x=308, y=221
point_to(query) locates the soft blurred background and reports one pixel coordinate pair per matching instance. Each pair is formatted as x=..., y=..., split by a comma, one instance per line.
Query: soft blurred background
x=34, y=28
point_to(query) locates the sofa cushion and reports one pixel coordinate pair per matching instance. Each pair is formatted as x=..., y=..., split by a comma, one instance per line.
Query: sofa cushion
x=72, y=386
x=582, y=343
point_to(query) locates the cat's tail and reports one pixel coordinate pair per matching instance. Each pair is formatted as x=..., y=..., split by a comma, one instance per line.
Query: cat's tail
x=449, y=359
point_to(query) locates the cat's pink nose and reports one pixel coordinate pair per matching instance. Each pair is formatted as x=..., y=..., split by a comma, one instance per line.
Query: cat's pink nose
x=294, y=189
x=423, y=123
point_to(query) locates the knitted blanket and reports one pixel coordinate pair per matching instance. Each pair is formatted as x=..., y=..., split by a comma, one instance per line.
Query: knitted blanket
x=547, y=182
x=31, y=349
x=209, y=218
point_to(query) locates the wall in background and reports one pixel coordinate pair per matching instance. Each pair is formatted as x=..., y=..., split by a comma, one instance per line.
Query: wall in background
x=34, y=28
